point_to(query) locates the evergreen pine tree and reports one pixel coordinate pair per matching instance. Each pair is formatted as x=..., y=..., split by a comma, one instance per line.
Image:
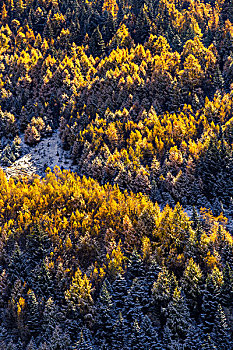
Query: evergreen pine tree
x=221, y=332
x=227, y=288
x=195, y=218
x=150, y=339
x=120, y=333
x=227, y=10
x=97, y=46
x=137, y=299
x=51, y=317
x=135, y=266
x=59, y=340
x=137, y=6
x=133, y=309
x=37, y=244
x=43, y=346
x=105, y=315
x=211, y=296
x=83, y=344
x=142, y=27
x=191, y=284
x=119, y=292
x=16, y=266
x=152, y=273
x=33, y=316
x=162, y=292
x=178, y=316
x=168, y=343
x=208, y=344
x=210, y=168
x=109, y=28
x=43, y=280
x=136, y=339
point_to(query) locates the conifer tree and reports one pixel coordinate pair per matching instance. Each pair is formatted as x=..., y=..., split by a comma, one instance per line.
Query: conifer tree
x=120, y=333
x=162, y=288
x=135, y=266
x=16, y=264
x=150, y=338
x=168, y=343
x=211, y=296
x=142, y=27
x=178, y=316
x=136, y=339
x=192, y=284
x=119, y=292
x=83, y=344
x=78, y=296
x=52, y=316
x=33, y=315
x=227, y=288
x=97, y=46
x=227, y=10
x=105, y=315
x=221, y=331
x=152, y=273
x=43, y=279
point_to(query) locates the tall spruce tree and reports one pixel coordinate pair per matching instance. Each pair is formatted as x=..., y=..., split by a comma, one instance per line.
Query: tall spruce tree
x=211, y=295
x=221, y=331
x=178, y=316
x=105, y=317
x=97, y=46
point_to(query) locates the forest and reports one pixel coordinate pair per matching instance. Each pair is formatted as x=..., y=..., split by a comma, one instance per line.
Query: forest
x=134, y=250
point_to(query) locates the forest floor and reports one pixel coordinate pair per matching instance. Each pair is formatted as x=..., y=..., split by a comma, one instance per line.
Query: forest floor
x=35, y=160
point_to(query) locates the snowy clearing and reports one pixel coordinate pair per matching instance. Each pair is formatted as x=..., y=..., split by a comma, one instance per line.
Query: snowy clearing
x=35, y=160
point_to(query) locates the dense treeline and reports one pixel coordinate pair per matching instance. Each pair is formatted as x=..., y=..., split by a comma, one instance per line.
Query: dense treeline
x=85, y=266
x=140, y=90
x=141, y=93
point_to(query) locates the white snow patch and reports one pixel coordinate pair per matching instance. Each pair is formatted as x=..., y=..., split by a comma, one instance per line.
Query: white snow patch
x=47, y=153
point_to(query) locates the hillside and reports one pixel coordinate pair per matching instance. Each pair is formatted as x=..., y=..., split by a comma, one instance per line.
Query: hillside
x=84, y=265
x=116, y=174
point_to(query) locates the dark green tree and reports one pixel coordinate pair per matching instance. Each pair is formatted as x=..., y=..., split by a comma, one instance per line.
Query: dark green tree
x=178, y=316
x=119, y=292
x=83, y=344
x=211, y=295
x=135, y=266
x=33, y=314
x=105, y=315
x=221, y=332
x=97, y=46
x=120, y=333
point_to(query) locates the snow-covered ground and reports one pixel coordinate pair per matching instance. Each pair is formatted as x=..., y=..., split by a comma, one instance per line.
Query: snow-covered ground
x=35, y=160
